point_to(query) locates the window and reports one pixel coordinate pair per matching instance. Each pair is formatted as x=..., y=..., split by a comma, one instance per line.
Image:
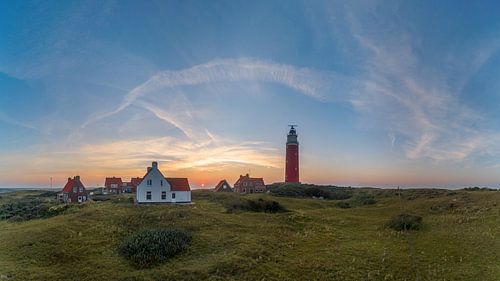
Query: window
x=173, y=195
x=163, y=195
x=74, y=189
x=244, y=190
x=148, y=195
x=161, y=182
x=81, y=189
x=150, y=182
x=245, y=184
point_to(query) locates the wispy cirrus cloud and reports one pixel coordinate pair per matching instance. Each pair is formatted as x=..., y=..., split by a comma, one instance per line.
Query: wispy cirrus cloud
x=316, y=84
x=415, y=102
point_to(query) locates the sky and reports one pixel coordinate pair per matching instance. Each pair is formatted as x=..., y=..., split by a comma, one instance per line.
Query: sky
x=384, y=93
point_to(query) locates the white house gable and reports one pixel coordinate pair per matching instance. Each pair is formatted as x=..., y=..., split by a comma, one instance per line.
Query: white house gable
x=154, y=187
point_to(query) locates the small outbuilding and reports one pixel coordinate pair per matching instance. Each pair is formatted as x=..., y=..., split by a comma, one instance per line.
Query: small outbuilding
x=223, y=186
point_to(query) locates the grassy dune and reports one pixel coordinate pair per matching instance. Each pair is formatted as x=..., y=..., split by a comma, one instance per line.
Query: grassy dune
x=314, y=240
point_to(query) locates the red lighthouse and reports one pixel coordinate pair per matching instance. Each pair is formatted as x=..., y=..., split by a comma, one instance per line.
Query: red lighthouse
x=292, y=156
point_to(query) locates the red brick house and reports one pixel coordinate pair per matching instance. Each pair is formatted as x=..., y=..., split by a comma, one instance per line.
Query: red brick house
x=246, y=184
x=73, y=192
x=223, y=186
x=113, y=185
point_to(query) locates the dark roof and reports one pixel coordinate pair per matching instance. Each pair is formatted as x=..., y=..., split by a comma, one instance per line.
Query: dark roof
x=113, y=180
x=178, y=184
x=135, y=181
x=219, y=187
x=72, y=182
x=247, y=178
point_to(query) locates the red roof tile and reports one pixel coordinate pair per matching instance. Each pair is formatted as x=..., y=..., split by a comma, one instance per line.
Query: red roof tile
x=72, y=182
x=248, y=180
x=178, y=184
x=135, y=181
x=113, y=180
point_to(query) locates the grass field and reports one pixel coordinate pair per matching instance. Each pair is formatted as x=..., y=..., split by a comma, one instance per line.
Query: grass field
x=314, y=240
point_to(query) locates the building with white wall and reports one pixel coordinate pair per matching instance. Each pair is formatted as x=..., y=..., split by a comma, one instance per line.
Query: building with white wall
x=156, y=188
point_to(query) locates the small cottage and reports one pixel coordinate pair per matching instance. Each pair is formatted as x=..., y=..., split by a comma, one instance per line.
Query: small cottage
x=155, y=188
x=223, y=186
x=246, y=184
x=113, y=185
x=73, y=192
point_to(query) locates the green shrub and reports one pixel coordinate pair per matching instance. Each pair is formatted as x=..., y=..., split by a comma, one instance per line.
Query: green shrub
x=309, y=190
x=147, y=248
x=28, y=209
x=259, y=205
x=343, y=205
x=364, y=199
x=405, y=222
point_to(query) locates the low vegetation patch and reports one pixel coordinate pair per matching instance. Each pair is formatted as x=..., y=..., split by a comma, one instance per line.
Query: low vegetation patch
x=147, y=248
x=311, y=191
x=363, y=199
x=344, y=205
x=259, y=205
x=28, y=209
x=405, y=222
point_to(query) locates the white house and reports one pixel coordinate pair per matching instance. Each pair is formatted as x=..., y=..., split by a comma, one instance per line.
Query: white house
x=155, y=188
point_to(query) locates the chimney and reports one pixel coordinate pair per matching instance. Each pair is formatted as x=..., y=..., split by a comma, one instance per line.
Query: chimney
x=155, y=165
x=149, y=169
x=69, y=179
x=77, y=178
x=247, y=175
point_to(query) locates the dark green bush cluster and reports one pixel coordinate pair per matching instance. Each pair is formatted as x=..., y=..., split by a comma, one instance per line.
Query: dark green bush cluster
x=259, y=205
x=405, y=222
x=147, y=248
x=343, y=205
x=306, y=190
x=363, y=199
x=477, y=188
x=30, y=209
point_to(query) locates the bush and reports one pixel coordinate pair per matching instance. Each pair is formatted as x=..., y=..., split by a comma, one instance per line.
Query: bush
x=364, y=199
x=309, y=190
x=405, y=222
x=259, y=205
x=343, y=205
x=30, y=209
x=147, y=248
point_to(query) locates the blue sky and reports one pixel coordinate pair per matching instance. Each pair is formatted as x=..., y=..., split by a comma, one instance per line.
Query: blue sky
x=385, y=93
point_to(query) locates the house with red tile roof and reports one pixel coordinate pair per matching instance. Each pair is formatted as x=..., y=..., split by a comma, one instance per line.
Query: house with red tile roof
x=156, y=188
x=131, y=186
x=223, y=186
x=246, y=184
x=113, y=185
x=73, y=192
